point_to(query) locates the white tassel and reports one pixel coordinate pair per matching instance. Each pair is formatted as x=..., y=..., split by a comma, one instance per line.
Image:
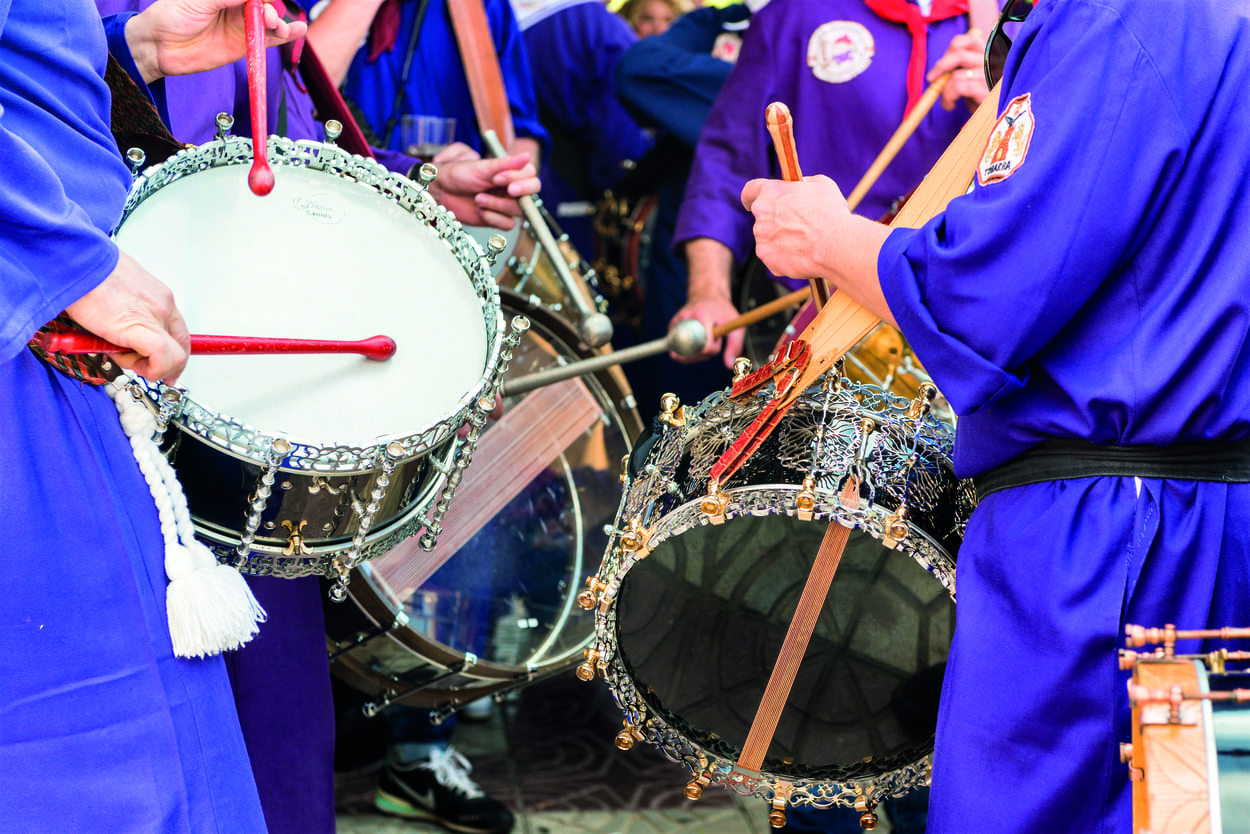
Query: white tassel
x=210, y=607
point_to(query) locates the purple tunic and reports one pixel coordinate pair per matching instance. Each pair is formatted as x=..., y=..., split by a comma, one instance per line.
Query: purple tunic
x=1094, y=285
x=842, y=71
x=102, y=728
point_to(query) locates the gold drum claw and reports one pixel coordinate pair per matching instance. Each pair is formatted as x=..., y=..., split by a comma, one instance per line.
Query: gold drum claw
x=589, y=598
x=586, y=670
x=805, y=501
x=672, y=411
x=897, y=527
x=714, y=503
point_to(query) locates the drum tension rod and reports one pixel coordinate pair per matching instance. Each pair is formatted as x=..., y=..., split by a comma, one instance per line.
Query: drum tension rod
x=374, y=707
x=367, y=636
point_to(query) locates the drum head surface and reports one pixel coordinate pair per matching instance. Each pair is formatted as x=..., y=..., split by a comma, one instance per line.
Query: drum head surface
x=321, y=257
x=701, y=620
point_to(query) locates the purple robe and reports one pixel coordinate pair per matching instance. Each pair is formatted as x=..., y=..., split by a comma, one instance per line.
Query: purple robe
x=842, y=71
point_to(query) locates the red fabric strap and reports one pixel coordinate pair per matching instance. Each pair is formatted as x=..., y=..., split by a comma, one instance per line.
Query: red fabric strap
x=917, y=24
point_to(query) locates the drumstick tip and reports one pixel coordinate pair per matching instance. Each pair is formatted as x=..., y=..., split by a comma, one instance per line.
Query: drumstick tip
x=260, y=178
x=776, y=114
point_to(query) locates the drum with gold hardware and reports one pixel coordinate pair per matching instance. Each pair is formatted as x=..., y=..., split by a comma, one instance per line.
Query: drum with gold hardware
x=1189, y=760
x=694, y=596
x=492, y=607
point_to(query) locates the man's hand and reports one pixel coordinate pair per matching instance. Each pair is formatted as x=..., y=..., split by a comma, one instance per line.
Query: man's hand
x=482, y=192
x=132, y=309
x=178, y=37
x=965, y=60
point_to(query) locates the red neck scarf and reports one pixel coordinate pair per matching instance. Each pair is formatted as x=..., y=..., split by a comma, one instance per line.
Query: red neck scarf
x=917, y=26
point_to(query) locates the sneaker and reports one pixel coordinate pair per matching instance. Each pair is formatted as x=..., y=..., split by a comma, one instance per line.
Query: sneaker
x=440, y=789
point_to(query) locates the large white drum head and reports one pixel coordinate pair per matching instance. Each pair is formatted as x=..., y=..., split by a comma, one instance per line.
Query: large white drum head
x=321, y=257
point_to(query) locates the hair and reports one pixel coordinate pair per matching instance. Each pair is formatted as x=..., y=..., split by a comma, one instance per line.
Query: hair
x=631, y=10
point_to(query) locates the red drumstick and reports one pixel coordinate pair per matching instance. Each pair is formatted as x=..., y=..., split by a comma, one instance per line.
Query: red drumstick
x=260, y=178
x=378, y=347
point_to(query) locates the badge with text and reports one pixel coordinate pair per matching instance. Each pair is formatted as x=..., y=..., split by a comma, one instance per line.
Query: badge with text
x=840, y=50
x=1008, y=144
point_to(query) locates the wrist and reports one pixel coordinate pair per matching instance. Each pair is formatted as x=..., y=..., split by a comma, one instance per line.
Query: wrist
x=143, y=49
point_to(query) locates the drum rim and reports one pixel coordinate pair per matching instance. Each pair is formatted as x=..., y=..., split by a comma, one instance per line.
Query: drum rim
x=241, y=440
x=488, y=676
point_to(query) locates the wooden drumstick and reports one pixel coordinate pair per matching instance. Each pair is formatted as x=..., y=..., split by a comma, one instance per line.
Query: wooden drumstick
x=260, y=178
x=77, y=341
x=900, y=137
x=781, y=127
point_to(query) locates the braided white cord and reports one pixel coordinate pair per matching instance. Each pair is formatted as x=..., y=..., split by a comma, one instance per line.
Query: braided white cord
x=209, y=605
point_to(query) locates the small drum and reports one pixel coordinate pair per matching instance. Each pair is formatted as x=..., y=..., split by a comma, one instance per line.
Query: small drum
x=529, y=272
x=624, y=235
x=492, y=607
x=290, y=461
x=1190, y=756
x=691, y=607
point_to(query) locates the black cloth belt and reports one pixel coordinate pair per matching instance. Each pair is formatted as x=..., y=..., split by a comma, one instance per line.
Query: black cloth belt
x=1062, y=460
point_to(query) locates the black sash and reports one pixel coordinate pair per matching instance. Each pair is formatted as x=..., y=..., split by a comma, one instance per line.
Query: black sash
x=1061, y=460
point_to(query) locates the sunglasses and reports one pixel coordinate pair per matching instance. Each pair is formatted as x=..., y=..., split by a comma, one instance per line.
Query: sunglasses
x=999, y=42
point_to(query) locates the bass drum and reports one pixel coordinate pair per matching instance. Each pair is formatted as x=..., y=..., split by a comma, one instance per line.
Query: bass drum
x=492, y=606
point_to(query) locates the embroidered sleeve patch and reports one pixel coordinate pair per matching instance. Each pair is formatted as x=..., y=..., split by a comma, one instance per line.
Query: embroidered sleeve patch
x=840, y=50
x=1008, y=144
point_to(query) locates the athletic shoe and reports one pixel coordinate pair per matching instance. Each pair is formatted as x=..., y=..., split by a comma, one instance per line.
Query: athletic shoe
x=439, y=789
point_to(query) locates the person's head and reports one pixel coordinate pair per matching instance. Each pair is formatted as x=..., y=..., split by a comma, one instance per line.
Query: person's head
x=652, y=17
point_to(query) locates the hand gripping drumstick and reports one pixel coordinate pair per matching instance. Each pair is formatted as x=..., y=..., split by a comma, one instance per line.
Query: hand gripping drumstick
x=260, y=178
x=777, y=116
x=377, y=348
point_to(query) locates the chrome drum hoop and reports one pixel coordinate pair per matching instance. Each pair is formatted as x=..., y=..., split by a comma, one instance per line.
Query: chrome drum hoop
x=241, y=440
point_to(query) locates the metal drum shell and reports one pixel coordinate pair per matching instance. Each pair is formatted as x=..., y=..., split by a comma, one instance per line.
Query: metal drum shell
x=373, y=611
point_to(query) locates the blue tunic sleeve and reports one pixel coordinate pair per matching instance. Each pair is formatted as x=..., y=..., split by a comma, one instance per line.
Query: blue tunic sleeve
x=53, y=248
x=986, y=286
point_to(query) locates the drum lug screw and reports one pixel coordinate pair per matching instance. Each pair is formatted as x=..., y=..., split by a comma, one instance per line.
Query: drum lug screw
x=896, y=527
x=334, y=129
x=625, y=738
x=671, y=411
x=777, y=818
x=714, y=504
x=494, y=247
x=135, y=157
x=589, y=598
x=586, y=670
x=805, y=501
x=923, y=403
x=868, y=817
x=635, y=539
x=224, y=123
x=1126, y=753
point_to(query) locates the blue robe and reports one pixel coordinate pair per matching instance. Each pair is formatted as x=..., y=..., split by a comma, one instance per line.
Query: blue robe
x=437, y=85
x=1093, y=285
x=101, y=727
x=573, y=53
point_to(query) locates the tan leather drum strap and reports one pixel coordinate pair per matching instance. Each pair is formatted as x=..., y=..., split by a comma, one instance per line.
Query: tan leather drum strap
x=811, y=601
x=481, y=66
x=841, y=323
